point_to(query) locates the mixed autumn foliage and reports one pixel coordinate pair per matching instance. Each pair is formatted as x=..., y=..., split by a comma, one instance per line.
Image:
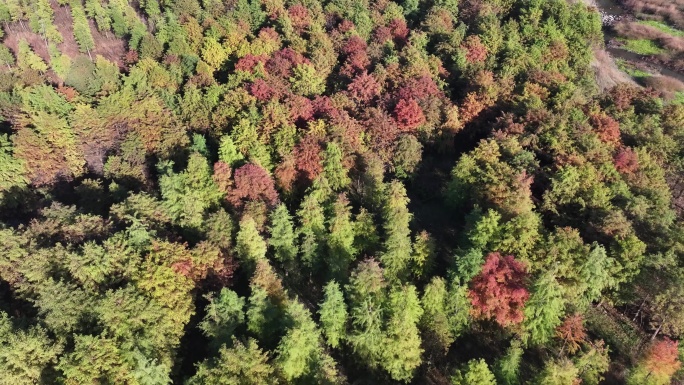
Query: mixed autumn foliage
x=332, y=192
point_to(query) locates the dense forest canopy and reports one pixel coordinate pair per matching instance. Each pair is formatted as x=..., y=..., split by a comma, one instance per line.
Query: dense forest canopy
x=251, y=192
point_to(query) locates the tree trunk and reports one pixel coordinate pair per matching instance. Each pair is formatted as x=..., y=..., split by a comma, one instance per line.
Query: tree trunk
x=639, y=311
x=657, y=330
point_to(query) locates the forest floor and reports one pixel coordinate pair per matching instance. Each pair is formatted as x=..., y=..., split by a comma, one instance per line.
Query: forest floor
x=645, y=43
x=106, y=45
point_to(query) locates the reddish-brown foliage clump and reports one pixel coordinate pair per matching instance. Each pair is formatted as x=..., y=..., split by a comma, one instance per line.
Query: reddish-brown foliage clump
x=476, y=52
x=250, y=61
x=282, y=62
x=299, y=15
x=499, y=292
x=408, y=114
x=471, y=107
x=130, y=57
x=261, y=90
x=323, y=107
x=662, y=358
x=252, y=182
x=382, y=131
x=572, y=332
x=382, y=34
x=623, y=95
x=357, y=58
x=399, y=30
x=222, y=174
x=418, y=88
x=364, y=88
x=69, y=92
x=308, y=157
x=269, y=33
x=626, y=160
x=608, y=129
x=286, y=173
x=300, y=107
x=346, y=26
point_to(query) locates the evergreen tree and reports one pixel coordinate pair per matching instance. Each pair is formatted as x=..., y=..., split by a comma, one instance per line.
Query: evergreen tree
x=282, y=235
x=402, y=348
x=544, y=310
x=299, y=349
x=340, y=239
x=190, y=194
x=224, y=314
x=82, y=29
x=26, y=58
x=312, y=228
x=333, y=314
x=242, y=364
x=250, y=247
x=475, y=373
x=397, y=247
x=334, y=169
x=508, y=367
x=24, y=354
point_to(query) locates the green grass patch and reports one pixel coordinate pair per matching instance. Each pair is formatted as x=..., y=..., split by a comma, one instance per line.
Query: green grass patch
x=642, y=46
x=631, y=70
x=662, y=27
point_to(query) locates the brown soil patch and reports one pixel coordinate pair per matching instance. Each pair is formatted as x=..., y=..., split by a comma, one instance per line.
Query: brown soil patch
x=107, y=45
x=607, y=73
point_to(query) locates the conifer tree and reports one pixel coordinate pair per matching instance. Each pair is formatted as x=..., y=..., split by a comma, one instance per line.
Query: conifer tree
x=250, y=247
x=82, y=29
x=475, y=373
x=544, y=310
x=224, y=314
x=334, y=169
x=26, y=58
x=24, y=354
x=397, y=247
x=312, y=228
x=402, y=349
x=283, y=238
x=333, y=313
x=340, y=239
x=299, y=348
x=241, y=364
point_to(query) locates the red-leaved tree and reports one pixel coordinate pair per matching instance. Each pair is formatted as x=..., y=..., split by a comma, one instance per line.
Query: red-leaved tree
x=408, y=114
x=261, y=90
x=499, y=292
x=626, y=160
x=299, y=15
x=607, y=128
x=476, y=52
x=252, y=182
x=249, y=61
x=363, y=88
x=572, y=332
x=662, y=358
x=308, y=157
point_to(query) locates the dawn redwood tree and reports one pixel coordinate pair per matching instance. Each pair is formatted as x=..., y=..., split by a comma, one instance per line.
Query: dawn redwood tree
x=499, y=292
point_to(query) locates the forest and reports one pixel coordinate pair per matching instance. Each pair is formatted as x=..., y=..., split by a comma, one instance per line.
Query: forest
x=257, y=192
